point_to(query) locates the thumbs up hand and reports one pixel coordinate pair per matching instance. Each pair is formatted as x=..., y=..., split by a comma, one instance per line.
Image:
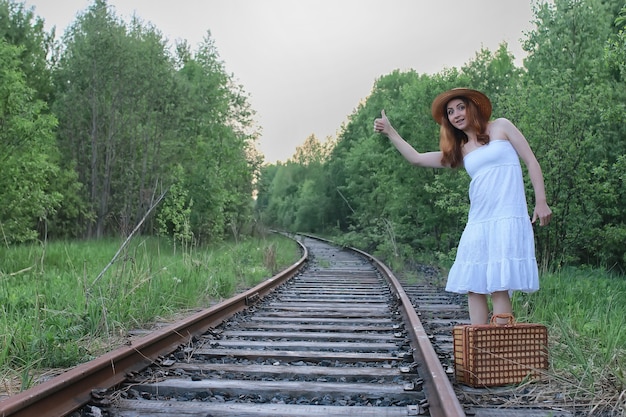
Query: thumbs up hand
x=381, y=124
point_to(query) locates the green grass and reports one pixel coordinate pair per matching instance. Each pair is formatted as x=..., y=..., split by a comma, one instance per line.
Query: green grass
x=585, y=311
x=58, y=309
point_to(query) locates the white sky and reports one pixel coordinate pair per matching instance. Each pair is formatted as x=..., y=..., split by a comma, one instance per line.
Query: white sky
x=307, y=64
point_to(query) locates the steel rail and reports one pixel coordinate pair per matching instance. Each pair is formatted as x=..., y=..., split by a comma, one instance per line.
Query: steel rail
x=71, y=390
x=442, y=399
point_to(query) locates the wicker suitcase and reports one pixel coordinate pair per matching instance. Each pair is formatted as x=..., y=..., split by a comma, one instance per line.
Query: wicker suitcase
x=500, y=354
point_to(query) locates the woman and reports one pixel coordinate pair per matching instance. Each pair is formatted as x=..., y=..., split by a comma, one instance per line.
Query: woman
x=496, y=253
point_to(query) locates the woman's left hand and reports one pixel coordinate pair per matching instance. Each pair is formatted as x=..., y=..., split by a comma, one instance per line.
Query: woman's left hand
x=543, y=213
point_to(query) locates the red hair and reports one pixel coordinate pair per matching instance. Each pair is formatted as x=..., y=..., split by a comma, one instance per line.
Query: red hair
x=451, y=139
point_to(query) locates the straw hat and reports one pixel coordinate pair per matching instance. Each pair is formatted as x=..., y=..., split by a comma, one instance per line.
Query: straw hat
x=481, y=101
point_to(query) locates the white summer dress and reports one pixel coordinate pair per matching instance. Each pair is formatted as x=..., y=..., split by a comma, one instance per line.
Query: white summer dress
x=496, y=251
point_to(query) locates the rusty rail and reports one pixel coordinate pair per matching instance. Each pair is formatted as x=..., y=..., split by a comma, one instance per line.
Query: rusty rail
x=443, y=402
x=72, y=389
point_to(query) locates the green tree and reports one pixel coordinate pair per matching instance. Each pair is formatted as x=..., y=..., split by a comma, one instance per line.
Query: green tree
x=283, y=194
x=614, y=233
x=311, y=201
x=131, y=114
x=91, y=107
x=216, y=138
x=173, y=218
x=20, y=27
x=294, y=196
x=116, y=104
x=28, y=154
x=568, y=91
x=263, y=195
x=615, y=51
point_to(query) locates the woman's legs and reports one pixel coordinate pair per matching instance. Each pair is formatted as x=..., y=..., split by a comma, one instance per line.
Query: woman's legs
x=478, y=310
x=501, y=304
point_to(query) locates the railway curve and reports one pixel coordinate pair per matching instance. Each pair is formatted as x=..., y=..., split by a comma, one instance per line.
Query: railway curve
x=334, y=334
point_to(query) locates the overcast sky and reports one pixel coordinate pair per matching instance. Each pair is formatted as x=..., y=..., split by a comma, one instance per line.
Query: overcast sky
x=307, y=64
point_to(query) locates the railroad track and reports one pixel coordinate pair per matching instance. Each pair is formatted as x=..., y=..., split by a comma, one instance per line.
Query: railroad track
x=330, y=342
x=332, y=335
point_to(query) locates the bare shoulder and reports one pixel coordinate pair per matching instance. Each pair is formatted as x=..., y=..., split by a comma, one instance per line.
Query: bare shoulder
x=500, y=121
x=501, y=128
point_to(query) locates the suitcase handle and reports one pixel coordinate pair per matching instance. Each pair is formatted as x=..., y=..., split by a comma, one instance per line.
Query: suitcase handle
x=509, y=317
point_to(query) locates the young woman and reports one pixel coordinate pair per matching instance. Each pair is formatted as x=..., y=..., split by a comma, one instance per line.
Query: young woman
x=496, y=253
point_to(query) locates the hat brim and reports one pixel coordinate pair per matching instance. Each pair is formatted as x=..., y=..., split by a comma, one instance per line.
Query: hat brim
x=482, y=102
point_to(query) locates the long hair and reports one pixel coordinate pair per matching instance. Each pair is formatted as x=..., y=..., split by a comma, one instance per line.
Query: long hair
x=451, y=139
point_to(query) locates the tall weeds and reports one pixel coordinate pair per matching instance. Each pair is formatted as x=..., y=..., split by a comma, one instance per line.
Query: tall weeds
x=56, y=314
x=585, y=312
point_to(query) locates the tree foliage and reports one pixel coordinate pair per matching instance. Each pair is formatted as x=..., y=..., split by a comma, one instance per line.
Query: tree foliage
x=568, y=99
x=28, y=153
x=20, y=27
x=100, y=123
x=292, y=193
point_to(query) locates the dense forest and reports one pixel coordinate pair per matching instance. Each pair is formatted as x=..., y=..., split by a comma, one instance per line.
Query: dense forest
x=109, y=127
x=103, y=123
x=568, y=99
